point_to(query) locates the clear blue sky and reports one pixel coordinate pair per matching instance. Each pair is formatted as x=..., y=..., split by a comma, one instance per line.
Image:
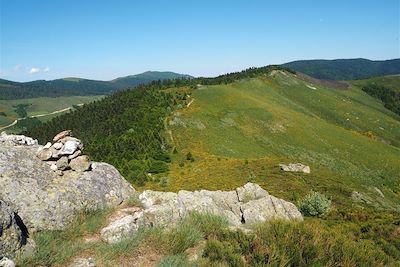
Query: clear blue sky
x=105, y=39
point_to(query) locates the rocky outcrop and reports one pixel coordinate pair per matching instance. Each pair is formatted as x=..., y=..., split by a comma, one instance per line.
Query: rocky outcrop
x=249, y=204
x=13, y=234
x=17, y=140
x=295, y=167
x=40, y=199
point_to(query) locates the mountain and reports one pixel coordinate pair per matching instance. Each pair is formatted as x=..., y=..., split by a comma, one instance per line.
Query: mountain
x=146, y=77
x=345, y=69
x=77, y=86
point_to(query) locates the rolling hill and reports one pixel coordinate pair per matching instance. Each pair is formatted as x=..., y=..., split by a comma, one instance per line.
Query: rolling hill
x=220, y=133
x=345, y=69
x=78, y=87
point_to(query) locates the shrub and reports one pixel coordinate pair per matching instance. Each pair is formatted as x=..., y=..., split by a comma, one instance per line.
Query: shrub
x=189, y=156
x=164, y=181
x=157, y=166
x=315, y=204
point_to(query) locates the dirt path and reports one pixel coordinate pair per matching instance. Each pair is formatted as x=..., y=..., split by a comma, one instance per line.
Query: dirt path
x=39, y=116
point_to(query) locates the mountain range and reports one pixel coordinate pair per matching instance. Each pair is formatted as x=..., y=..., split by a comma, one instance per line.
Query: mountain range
x=77, y=86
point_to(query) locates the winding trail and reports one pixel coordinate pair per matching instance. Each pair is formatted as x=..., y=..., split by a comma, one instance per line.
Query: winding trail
x=39, y=116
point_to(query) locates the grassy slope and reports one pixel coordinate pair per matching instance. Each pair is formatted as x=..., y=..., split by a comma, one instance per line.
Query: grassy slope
x=41, y=105
x=390, y=81
x=253, y=125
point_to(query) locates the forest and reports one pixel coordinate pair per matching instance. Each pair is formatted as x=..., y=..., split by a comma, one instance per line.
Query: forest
x=389, y=97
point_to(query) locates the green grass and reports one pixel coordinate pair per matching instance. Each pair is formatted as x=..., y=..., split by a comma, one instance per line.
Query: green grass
x=37, y=106
x=242, y=131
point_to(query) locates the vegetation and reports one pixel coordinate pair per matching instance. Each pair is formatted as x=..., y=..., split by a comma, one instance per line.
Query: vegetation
x=275, y=243
x=315, y=204
x=345, y=69
x=126, y=129
x=78, y=86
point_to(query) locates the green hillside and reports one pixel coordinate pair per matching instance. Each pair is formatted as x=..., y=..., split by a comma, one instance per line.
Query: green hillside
x=77, y=86
x=386, y=89
x=221, y=133
x=345, y=69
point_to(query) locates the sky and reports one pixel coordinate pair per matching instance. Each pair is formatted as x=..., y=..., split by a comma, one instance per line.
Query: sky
x=99, y=39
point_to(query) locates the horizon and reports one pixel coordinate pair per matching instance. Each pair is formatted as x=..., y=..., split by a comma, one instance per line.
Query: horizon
x=45, y=40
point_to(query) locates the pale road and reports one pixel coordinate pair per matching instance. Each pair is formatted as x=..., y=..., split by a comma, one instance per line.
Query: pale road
x=38, y=116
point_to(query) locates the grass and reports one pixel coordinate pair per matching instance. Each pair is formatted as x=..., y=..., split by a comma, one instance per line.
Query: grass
x=40, y=105
x=276, y=243
x=242, y=131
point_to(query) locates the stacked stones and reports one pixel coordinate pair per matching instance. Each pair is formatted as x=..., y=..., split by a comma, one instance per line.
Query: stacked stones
x=65, y=154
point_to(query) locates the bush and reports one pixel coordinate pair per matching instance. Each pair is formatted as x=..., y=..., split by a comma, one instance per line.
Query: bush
x=164, y=181
x=157, y=166
x=315, y=204
x=189, y=156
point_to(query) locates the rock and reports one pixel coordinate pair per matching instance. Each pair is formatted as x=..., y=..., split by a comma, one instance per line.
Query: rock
x=377, y=190
x=47, y=146
x=242, y=207
x=53, y=167
x=76, y=153
x=46, y=201
x=62, y=163
x=12, y=232
x=120, y=229
x=6, y=262
x=250, y=191
x=57, y=145
x=295, y=167
x=80, y=164
x=45, y=154
x=61, y=135
x=17, y=140
x=69, y=148
x=84, y=262
x=59, y=172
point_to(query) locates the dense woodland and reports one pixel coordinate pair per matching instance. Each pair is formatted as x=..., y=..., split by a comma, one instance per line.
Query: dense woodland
x=126, y=128
x=77, y=86
x=345, y=69
x=389, y=97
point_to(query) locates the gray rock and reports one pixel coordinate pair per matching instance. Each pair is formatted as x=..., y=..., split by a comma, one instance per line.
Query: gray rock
x=61, y=135
x=69, y=148
x=17, y=139
x=45, y=154
x=295, y=167
x=244, y=206
x=6, y=262
x=249, y=192
x=120, y=229
x=53, y=167
x=12, y=237
x=46, y=201
x=62, y=163
x=76, y=153
x=47, y=146
x=57, y=145
x=84, y=262
x=80, y=164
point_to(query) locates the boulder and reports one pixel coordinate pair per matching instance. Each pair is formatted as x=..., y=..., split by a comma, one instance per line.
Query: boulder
x=69, y=147
x=17, y=140
x=57, y=145
x=47, y=201
x=247, y=205
x=12, y=235
x=76, y=153
x=120, y=229
x=80, y=164
x=295, y=167
x=62, y=163
x=6, y=262
x=45, y=154
x=61, y=135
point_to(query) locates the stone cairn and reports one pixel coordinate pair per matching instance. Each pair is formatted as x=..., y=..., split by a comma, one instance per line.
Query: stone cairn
x=64, y=154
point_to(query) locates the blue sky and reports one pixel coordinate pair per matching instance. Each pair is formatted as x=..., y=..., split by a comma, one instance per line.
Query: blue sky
x=107, y=39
